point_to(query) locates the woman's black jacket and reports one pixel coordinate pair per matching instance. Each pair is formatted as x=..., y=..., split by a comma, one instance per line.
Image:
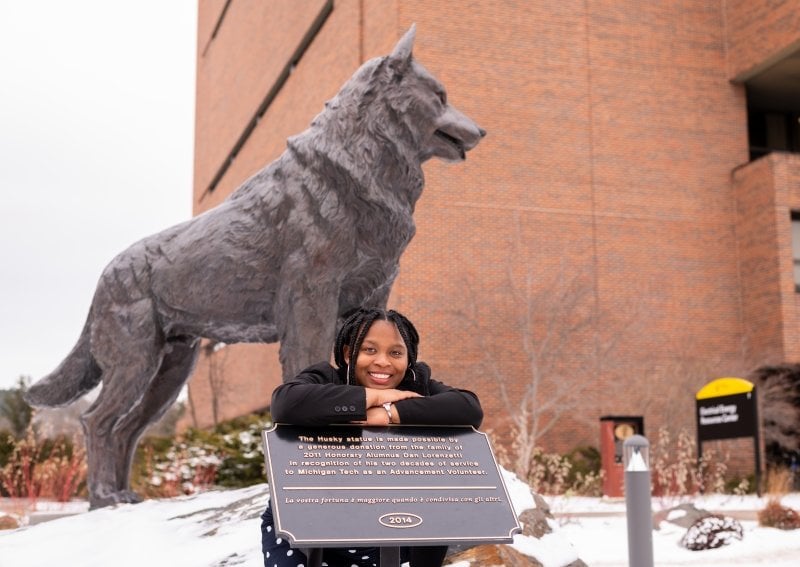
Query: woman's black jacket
x=319, y=395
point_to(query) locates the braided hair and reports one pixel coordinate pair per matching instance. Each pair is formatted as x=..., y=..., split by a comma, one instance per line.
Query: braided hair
x=355, y=328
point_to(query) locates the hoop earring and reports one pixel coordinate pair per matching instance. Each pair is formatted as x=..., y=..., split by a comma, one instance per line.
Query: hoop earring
x=413, y=375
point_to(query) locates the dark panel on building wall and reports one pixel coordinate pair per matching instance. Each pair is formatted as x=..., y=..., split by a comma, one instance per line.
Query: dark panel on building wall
x=210, y=15
x=236, y=70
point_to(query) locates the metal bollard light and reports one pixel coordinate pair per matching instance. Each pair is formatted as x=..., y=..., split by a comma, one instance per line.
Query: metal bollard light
x=638, y=508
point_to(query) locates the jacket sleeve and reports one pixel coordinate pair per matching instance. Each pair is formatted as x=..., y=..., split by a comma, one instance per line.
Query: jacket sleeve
x=444, y=406
x=314, y=397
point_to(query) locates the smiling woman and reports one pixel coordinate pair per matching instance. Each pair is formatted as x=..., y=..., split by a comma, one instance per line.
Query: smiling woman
x=377, y=381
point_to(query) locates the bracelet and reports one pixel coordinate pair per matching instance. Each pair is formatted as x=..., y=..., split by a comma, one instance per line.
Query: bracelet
x=388, y=407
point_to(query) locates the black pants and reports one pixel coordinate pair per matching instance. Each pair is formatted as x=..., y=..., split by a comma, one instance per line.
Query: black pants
x=278, y=553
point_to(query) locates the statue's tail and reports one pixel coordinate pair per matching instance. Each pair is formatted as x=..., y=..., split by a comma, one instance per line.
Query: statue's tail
x=76, y=375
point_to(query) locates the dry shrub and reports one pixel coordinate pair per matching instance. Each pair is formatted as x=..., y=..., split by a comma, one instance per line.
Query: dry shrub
x=778, y=481
x=550, y=473
x=44, y=469
x=776, y=515
x=677, y=472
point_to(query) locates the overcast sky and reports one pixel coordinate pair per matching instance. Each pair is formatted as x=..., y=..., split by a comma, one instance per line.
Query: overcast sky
x=96, y=142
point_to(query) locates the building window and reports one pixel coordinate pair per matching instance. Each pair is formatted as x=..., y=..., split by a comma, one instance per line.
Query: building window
x=796, y=248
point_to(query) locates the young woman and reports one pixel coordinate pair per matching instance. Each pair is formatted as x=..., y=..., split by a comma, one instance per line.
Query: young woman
x=377, y=380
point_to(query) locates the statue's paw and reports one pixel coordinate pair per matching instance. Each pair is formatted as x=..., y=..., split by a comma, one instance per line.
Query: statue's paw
x=101, y=499
x=128, y=497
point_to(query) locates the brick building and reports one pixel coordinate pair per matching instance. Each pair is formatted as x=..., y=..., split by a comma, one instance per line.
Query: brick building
x=623, y=234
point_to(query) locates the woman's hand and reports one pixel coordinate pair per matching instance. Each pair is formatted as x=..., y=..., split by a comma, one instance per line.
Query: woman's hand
x=378, y=416
x=376, y=413
x=376, y=397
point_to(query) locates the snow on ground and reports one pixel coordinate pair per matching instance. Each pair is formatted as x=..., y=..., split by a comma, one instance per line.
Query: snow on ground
x=213, y=528
x=598, y=529
x=221, y=528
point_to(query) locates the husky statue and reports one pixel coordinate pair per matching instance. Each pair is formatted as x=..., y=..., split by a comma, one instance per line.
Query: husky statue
x=314, y=234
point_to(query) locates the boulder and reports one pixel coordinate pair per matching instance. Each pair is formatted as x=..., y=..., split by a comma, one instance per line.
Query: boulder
x=8, y=523
x=683, y=515
x=534, y=521
x=493, y=556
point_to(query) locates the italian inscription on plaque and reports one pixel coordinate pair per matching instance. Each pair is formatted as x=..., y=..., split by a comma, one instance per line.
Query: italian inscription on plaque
x=344, y=485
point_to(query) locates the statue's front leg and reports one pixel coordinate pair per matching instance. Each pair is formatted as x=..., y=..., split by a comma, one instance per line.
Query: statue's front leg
x=306, y=315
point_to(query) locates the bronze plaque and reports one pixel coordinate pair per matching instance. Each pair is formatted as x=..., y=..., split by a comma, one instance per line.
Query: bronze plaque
x=344, y=485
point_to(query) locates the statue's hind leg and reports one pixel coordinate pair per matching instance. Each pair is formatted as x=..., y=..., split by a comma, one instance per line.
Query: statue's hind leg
x=177, y=365
x=128, y=347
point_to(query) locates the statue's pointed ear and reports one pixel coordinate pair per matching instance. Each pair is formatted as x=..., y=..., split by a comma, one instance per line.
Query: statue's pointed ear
x=401, y=54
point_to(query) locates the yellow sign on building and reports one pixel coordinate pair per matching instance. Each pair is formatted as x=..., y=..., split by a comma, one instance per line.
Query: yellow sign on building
x=724, y=387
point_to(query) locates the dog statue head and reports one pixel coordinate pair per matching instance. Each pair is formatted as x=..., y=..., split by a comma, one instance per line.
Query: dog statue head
x=448, y=134
x=394, y=100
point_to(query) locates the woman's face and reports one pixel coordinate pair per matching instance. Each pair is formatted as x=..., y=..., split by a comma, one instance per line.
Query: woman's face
x=382, y=361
